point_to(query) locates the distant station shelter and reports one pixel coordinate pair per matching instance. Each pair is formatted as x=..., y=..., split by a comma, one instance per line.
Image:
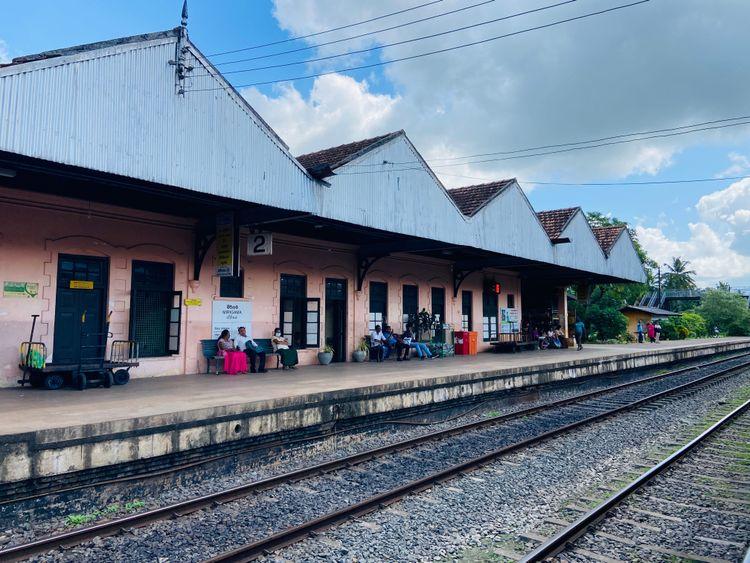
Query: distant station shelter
x=135, y=180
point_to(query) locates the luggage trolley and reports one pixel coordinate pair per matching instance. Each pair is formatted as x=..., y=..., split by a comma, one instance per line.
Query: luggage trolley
x=92, y=367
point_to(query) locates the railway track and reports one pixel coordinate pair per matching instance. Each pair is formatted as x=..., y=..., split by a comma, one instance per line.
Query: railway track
x=421, y=461
x=710, y=477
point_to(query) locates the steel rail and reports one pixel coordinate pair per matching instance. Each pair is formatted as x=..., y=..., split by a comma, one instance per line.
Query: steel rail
x=562, y=539
x=294, y=534
x=112, y=527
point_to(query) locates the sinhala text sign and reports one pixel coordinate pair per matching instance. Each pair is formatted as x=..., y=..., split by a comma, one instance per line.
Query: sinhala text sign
x=230, y=314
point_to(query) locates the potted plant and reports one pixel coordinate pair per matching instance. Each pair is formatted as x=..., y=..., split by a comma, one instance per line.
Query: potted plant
x=360, y=354
x=325, y=355
x=425, y=325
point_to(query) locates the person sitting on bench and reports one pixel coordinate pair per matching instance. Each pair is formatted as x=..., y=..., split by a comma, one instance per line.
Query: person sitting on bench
x=288, y=355
x=403, y=344
x=390, y=341
x=224, y=343
x=377, y=343
x=246, y=344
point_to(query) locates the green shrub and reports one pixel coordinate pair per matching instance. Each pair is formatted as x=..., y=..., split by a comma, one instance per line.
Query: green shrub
x=688, y=325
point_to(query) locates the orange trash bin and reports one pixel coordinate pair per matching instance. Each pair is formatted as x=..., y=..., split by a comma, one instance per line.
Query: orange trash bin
x=473, y=343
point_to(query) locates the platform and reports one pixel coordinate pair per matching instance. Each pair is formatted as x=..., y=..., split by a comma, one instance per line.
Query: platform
x=45, y=433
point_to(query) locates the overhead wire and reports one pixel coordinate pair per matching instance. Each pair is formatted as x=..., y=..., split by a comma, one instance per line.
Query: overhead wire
x=547, y=153
x=429, y=53
x=571, y=143
x=397, y=43
x=352, y=37
x=318, y=33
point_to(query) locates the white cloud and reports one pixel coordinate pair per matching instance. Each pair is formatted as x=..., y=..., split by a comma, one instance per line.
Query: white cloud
x=740, y=165
x=336, y=103
x=4, y=53
x=709, y=253
x=586, y=79
x=730, y=205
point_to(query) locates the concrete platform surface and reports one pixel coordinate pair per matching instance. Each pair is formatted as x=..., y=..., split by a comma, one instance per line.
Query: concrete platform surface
x=31, y=410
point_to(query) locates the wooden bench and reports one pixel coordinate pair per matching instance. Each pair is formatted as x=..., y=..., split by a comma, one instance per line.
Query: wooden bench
x=513, y=342
x=209, y=349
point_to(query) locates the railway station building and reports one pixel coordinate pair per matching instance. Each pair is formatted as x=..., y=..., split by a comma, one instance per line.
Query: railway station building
x=134, y=180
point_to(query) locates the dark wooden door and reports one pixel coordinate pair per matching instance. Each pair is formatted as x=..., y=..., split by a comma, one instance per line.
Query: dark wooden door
x=80, y=306
x=335, y=317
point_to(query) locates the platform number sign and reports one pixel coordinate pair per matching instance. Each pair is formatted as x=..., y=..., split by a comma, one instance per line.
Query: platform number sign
x=260, y=244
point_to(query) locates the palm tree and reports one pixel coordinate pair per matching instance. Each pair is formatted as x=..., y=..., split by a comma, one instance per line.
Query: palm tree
x=679, y=277
x=723, y=286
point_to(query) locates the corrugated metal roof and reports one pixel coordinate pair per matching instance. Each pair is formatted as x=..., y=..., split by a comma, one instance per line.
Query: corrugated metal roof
x=117, y=107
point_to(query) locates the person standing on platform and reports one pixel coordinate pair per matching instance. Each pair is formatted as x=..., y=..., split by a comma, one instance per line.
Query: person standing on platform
x=639, y=330
x=651, y=332
x=657, y=331
x=289, y=358
x=244, y=343
x=579, y=328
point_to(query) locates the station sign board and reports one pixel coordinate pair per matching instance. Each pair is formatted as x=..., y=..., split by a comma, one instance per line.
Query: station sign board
x=230, y=314
x=225, y=244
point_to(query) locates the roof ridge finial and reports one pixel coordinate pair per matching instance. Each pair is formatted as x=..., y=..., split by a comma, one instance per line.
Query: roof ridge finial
x=183, y=23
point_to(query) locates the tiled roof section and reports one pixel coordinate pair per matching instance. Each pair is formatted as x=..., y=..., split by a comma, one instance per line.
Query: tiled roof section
x=336, y=156
x=607, y=236
x=555, y=220
x=471, y=199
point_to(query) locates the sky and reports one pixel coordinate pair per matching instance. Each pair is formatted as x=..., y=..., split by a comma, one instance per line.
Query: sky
x=656, y=65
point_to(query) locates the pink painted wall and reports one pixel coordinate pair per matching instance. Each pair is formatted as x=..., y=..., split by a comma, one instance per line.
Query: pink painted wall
x=35, y=229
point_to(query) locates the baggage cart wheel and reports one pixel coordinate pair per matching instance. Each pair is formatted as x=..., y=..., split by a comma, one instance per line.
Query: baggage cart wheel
x=108, y=379
x=53, y=381
x=121, y=377
x=80, y=381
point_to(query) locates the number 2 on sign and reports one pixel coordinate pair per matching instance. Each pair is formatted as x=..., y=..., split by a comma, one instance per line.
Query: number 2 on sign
x=260, y=244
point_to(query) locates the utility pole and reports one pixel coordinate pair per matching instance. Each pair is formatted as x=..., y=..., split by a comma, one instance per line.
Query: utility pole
x=658, y=286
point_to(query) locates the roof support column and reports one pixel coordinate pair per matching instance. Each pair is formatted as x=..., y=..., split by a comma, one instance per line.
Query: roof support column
x=364, y=263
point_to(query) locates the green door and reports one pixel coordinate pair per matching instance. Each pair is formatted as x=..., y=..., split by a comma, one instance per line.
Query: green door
x=80, y=308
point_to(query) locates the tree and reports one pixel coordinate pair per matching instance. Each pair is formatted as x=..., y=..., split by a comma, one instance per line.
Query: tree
x=725, y=310
x=678, y=276
x=687, y=325
x=723, y=286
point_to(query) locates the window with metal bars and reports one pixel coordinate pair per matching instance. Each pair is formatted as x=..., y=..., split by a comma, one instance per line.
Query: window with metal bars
x=378, y=304
x=438, y=304
x=489, y=316
x=232, y=286
x=467, y=320
x=411, y=303
x=300, y=319
x=155, y=309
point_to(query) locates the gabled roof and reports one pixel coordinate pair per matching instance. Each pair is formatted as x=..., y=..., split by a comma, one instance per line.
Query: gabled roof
x=554, y=221
x=93, y=46
x=321, y=163
x=470, y=199
x=607, y=236
x=655, y=311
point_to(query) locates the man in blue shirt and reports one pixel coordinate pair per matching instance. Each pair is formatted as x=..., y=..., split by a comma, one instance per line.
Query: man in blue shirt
x=579, y=329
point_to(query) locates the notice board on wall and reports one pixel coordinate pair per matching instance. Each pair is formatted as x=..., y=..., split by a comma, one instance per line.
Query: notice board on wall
x=230, y=314
x=509, y=320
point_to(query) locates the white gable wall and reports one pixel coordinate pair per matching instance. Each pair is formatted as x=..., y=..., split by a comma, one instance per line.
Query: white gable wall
x=508, y=223
x=623, y=260
x=583, y=252
x=115, y=110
